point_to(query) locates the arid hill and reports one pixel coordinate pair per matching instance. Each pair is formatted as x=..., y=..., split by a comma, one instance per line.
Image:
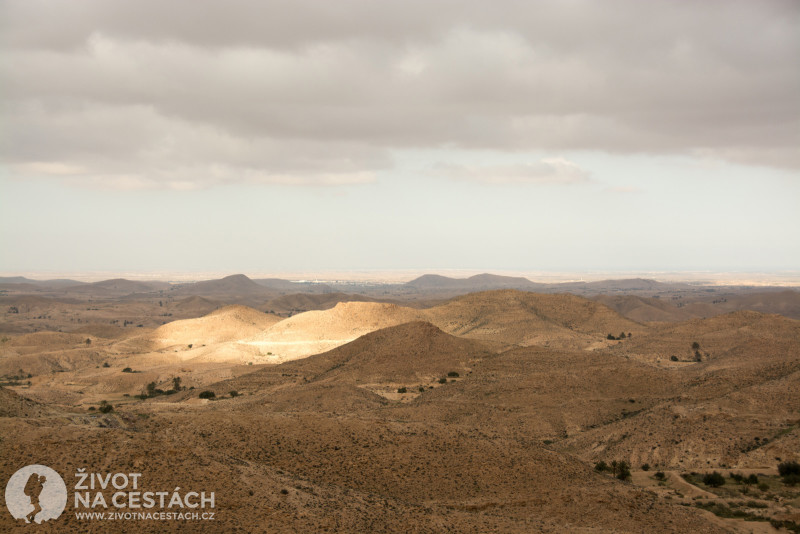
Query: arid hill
x=521, y=318
x=317, y=331
x=230, y=323
x=14, y=405
x=645, y=309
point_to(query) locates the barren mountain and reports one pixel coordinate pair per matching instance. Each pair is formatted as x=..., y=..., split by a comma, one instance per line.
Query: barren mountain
x=479, y=282
x=522, y=318
x=234, y=285
x=316, y=331
x=230, y=323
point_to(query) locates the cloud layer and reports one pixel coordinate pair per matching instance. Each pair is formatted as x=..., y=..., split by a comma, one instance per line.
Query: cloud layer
x=193, y=94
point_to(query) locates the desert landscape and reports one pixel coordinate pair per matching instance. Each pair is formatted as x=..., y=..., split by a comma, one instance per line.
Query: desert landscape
x=418, y=266
x=438, y=405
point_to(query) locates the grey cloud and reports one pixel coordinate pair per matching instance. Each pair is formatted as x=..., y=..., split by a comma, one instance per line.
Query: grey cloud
x=321, y=92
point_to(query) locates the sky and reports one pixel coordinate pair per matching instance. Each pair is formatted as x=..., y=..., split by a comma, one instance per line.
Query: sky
x=275, y=136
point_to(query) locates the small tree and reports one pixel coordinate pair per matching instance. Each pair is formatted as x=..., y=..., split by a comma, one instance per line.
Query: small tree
x=401, y=390
x=601, y=466
x=151, y=389
x=127, y=370
x=645, y=467
x=105, y=407
x=790, y=473
x=713, y=480
x=788, y=468
x=621, y=336
x=660, y=475
x=207, y=394
x=623, y=470
x=176, y=383
x=695, y=345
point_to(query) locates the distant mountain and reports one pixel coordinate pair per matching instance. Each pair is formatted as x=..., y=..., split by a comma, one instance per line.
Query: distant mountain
x=115, y=287
x=479, y=282
x=55, y=283
x=16, y=280
x=237, y=284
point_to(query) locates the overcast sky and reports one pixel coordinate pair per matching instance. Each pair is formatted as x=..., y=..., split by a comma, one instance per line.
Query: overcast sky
x=296, y=135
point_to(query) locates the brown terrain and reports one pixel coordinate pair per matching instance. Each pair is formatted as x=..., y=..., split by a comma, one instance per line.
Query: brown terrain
x=441, y=405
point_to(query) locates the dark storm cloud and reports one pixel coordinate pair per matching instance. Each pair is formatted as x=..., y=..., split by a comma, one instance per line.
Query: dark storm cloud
x=187, y=94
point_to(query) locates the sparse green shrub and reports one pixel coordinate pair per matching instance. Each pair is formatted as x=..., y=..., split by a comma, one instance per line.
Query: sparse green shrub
x=611, y=337
x=623, y=470
x=673, y=358
x=695, y=345
x=763, y=487
x=91, y=408
x=105, y=407
x=421, y=389
x=788, y=468
x=452, y=374
x=660, y=475
x=106, y=364
x=401, y=390
x=207, y=394
x=443, y=380
x=601, y=466
x=645, y=467
x=234, y=393
x=713, y=480
x=127, y=370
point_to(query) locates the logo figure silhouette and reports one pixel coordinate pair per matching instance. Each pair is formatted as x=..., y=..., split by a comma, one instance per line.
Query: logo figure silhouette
x=36, y=494
x=33, y=489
